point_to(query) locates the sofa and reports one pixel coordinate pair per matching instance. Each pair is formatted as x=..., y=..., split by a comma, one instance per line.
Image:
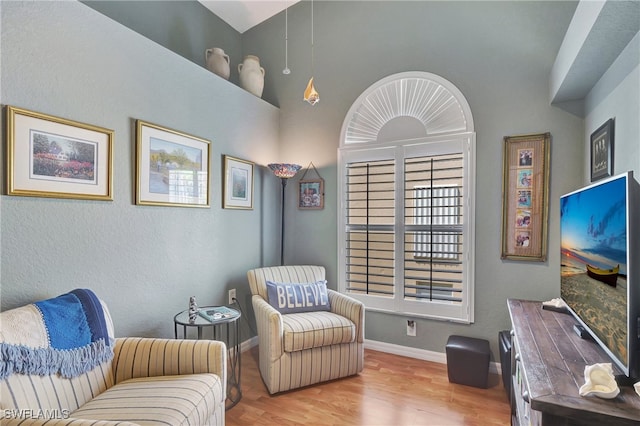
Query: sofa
x=106, y=381
x=323, y=342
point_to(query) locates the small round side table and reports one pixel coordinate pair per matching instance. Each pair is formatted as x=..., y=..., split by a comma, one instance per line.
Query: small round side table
x=225, y=329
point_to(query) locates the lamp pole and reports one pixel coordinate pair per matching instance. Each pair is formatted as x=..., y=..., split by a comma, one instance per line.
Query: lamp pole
x=284, y=185
x=284, y=171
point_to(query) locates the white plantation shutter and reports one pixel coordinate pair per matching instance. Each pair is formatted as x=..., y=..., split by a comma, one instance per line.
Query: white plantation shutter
x=370, y=234
x=437, y=210
x=433, y=228
x=406, y=186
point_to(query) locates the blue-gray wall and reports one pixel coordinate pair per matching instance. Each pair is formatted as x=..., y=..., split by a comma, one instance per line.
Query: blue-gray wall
x=185, y=27
x=617, y=96
x=67, y=60
x=499, y=54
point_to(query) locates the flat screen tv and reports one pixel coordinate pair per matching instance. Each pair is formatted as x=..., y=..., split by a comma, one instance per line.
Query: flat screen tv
x=600, y=265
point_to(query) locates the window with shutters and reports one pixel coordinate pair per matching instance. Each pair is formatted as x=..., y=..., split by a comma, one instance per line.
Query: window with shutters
x=406, y=218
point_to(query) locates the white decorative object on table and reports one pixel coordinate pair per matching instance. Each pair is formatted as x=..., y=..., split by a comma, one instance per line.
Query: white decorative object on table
x=637, y=388
x=556, y=303
x=193, y=309
x=599, y=381
x=217, y=62
x=251, y=75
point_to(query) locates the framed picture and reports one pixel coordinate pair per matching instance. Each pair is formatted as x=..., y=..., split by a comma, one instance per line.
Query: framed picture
x=172, y=167
x=525, y=197
x=54, y=157
x=311, y=194
x=238, y=184
x=602, y=151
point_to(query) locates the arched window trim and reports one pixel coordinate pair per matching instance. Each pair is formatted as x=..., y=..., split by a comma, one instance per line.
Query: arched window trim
x=448, y=125
x=409, y=101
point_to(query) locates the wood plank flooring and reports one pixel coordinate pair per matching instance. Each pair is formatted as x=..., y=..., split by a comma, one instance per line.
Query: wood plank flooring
x=392, y=390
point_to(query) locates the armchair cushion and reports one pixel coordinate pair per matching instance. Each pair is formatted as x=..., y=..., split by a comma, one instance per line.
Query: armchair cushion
x=314, y=329
x=289, y=298
x=174, y=400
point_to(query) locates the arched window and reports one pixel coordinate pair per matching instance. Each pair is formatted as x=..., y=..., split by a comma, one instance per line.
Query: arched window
x=406, y=198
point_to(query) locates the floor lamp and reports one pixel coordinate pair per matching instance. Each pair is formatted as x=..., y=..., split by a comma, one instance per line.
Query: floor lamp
x=285, y=172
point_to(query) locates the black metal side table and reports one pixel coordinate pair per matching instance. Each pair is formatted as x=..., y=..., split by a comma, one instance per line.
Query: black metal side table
x=226, y=329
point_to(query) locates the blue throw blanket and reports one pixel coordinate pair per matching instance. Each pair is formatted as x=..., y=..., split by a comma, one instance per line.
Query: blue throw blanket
x=76, y=334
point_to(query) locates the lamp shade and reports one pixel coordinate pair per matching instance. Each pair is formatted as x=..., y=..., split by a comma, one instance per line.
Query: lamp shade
x=284, y=170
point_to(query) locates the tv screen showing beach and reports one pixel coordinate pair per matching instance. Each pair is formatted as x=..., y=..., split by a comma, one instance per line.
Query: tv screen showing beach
x=593, y=228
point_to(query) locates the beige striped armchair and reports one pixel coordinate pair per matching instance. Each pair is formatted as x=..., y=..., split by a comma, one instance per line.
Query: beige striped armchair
x=305, y=348
x=147, y=382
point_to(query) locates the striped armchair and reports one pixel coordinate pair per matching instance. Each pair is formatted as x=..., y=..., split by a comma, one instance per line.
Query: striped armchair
x=147, y=382
x=300, y=349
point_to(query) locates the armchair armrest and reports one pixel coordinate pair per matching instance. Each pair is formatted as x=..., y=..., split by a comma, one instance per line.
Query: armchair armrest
x=147, y=357
x=350, y=308
x=269, y=322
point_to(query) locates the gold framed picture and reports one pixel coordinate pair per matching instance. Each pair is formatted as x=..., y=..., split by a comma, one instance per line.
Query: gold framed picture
x=525, y=197
x=55, y=157
x=172, y=167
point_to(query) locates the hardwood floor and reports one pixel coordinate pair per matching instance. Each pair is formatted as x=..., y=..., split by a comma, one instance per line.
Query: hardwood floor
x=392, y=390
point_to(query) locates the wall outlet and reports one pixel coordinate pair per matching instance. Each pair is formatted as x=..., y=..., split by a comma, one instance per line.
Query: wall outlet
x=232, y=296
x=411, y=328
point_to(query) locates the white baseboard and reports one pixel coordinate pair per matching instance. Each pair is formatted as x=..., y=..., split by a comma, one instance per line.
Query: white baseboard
x=248, y=344
x=423, y=354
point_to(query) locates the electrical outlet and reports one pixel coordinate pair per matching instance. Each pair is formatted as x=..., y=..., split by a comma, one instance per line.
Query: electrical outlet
x=411, y=328
x=232, y=296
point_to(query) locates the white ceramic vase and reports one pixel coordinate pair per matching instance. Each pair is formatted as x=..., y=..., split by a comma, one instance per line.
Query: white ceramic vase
x=217, y=62
x=251, y=75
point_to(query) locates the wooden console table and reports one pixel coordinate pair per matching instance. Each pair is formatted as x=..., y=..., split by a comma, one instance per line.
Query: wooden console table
x=548, y=360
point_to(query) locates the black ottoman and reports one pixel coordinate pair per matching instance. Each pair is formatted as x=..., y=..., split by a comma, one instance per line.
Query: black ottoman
x=468, y=361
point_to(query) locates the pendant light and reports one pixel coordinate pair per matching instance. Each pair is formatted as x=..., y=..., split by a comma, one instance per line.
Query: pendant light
x=310, y=93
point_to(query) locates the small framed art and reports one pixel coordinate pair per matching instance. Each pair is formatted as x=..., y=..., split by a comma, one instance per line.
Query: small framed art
x=311, y=194
x=238, y=184
x=172, y=167
x=602, y=151
x=55, y=157
x=525, y=197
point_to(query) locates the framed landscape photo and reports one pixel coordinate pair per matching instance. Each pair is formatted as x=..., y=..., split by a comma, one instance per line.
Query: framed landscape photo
x=238, y=184
x=525, y=197
x=55, y=157
x=172, y=167
x=311, y=194
x=602, y=151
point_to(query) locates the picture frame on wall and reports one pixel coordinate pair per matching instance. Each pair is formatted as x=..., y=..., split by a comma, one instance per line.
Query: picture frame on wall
x=54, y=157
x=172, y=167
x=238, y=183
x=602, y=151
x=525, y=197
x=311, y=194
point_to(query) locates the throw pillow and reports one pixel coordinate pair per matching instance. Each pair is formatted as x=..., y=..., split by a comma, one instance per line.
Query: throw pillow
x=289, y=298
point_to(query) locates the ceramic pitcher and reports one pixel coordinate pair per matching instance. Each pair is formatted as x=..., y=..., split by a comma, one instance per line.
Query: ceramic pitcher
x=251, y=75
x=217, y=62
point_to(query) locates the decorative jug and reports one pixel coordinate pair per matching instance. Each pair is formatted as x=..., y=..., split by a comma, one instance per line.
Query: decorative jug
x=251, y=75
x=217, y=62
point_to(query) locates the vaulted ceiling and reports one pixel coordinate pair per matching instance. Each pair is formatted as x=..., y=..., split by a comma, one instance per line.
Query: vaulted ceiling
x=245, y=14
